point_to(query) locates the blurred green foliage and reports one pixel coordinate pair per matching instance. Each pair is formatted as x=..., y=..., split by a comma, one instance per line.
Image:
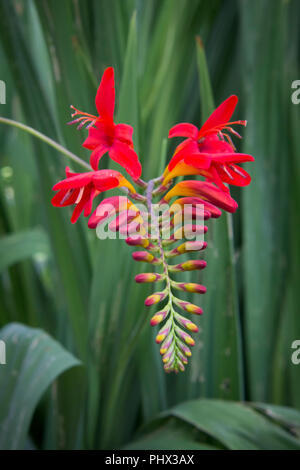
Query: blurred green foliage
x=81, y=291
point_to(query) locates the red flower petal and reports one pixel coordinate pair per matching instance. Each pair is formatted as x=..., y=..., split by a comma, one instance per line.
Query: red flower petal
x=214, y=211
x=105, y=97
x=103, y=134
x=97, y=154
x=232, y=158
x=77, y=181
x=204, y=190
x=102, y=176
x=65, y=197
x=124, y=133
x=186, y=148
x=213, y=144
x=101, y=183
x=220, y=116
x=127, y=158
x=216, y=196
x=69, y=172
x=184, y=130
x=188, y=145
x=81, y=189
x=88, y=206
x=104, y=183
x=239, y=177
x=214, y=176
x=81, y=204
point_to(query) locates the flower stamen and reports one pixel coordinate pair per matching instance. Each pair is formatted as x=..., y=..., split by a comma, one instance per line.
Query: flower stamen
x=66, y=197
x=83, y=118
x=224, y=167
x=234, y=168
x=79, y=195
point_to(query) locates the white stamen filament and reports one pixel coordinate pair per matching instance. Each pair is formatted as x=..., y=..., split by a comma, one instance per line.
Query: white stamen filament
x=79, y=195
x=227, y=172
x=69, y=193
x=237, y=171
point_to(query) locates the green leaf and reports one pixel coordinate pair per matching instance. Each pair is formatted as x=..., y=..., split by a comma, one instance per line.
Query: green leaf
x=19, y=246
x=206, y=93
x=263, y=28
x=170, y=436
x=220, y=353
x=68, y=242
x=33, y=361
x=235, y=425
x=282, y=414
x=128, y=110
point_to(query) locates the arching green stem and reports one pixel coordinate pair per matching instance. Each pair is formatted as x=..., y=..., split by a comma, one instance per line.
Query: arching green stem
x=64, y=151
x=45, y=139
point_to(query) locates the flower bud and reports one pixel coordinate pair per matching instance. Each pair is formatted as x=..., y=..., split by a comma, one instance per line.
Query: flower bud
x=163, y=332
x=182, y=357
x=139, y=241
x=186, y=323
x=186, y=247
x=166, y=343
x=212, y=210
x=189, y=287
x=148, y=277
x=180, y=365
x=169, y=355
x=188, y=213
x=122, y=220
x=185, y=336
x=155, y=298
x=183, y=347
x=190, y=308
x=136, y=226
x=189, y=230
x=159, y=316
x=146, y=257
x=190, y=265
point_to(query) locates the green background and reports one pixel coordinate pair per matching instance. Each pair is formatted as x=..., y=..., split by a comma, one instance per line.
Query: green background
x=61, y=279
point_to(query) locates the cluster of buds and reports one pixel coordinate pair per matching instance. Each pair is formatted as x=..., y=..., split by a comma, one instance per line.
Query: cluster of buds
x=161, y=218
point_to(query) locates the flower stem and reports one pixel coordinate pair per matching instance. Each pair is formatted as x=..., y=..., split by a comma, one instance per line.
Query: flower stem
x=150, y=193
x=141, y=183
x=45, y=139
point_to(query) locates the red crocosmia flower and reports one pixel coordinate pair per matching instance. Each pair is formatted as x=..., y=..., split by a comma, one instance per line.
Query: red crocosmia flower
x=106, y=136
x=207, y=191
x=206, y=152
x=81, y=189
x=223, y=168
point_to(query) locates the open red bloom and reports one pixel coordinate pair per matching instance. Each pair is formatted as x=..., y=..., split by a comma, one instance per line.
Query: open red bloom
x=106, y=136
x=206, y=152
x=81, y=189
